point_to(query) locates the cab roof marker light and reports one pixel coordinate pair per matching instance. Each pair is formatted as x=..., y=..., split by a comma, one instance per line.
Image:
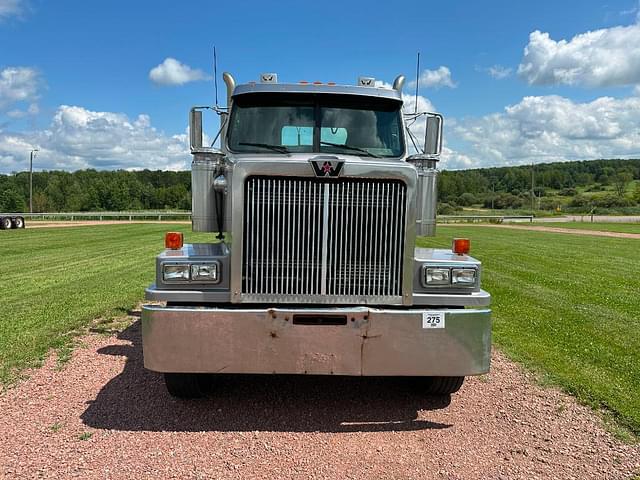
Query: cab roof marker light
x=461, y=246
x=173, y=240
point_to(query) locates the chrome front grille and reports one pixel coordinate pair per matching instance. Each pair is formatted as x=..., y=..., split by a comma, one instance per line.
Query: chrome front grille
x=311, y=238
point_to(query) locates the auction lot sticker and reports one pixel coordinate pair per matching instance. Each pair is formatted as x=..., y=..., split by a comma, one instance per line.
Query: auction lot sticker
x=433, y=319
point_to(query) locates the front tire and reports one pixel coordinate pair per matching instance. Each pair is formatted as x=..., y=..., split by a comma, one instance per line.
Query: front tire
x=439, y=386
x=444, y=385
x=188, y=385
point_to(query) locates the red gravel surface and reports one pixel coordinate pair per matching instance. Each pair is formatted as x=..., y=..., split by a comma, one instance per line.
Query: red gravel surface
x=103, y=416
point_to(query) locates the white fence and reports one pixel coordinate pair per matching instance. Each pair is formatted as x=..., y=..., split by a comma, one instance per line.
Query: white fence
x=184, y=215
x=146, y=215
x=484, y=218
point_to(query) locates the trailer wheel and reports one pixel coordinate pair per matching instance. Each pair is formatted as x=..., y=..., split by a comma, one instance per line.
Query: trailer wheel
x=5, y=223
x=188, y=385
x=18, y=222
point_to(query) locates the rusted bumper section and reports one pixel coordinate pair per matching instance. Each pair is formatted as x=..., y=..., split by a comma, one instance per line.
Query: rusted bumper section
x=331, y=341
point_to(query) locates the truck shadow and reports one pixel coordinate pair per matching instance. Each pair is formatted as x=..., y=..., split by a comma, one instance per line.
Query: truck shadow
x=136, y=400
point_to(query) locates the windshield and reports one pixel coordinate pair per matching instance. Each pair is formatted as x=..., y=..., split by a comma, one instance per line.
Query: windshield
x=305, y=123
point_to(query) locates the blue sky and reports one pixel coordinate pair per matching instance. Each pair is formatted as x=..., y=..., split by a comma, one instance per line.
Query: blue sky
x=76, y=81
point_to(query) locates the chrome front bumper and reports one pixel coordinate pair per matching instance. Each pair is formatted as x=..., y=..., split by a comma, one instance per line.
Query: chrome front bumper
x=270, y=340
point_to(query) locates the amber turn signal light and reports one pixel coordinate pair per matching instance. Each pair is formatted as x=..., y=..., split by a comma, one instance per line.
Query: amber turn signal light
x=173, y=240
x=461, y=246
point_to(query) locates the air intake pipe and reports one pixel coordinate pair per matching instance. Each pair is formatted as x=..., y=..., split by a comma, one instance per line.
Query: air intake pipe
x=426, y=194
x=205, y=168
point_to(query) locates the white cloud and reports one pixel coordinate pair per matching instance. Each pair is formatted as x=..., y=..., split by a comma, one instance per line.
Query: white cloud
x=18, y=84
x=10, y=8
x=552, y=128
x=172, y=72
x=499, y=72
x=606, y=57
x=440, y=77
x=78, y=138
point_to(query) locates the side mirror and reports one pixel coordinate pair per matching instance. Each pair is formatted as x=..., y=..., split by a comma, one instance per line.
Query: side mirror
x=195, y=129
x=433, y=135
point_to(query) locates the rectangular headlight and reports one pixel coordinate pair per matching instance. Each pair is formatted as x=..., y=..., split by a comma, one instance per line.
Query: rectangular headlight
x=463, y=277
x=175, y=272
x=436, y=276
x=204, y=272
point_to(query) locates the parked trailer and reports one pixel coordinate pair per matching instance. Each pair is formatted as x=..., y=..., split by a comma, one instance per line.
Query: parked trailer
x=320, y=274
x=11, y=220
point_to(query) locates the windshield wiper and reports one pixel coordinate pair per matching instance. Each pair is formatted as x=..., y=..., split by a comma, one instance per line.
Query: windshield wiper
x=349, y=147
x=276, y=148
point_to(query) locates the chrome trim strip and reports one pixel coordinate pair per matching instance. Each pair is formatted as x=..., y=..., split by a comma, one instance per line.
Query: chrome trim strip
x=325, y=245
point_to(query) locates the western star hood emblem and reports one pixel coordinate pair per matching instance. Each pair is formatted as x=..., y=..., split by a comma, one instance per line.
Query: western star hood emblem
x=327, y=168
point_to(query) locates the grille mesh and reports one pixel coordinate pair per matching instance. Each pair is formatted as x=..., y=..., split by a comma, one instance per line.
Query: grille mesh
x=311, y=236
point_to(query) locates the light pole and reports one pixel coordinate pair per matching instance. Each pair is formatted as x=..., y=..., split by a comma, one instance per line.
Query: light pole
x=31, y=157
x=533, y=195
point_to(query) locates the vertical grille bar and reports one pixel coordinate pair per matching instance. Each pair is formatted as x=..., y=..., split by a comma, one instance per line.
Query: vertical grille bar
x=308, y=236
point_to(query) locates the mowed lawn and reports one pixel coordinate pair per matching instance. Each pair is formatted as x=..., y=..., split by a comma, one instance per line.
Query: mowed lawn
x=55, y=280
x=567, y=306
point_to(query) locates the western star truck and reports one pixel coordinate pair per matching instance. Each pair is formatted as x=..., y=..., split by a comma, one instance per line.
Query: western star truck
x=317, y=202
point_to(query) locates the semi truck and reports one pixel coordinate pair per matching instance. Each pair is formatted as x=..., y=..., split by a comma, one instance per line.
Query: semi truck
x=317, y=199
x=11, y=220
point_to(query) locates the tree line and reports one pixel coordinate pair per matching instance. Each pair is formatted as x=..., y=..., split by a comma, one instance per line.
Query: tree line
x=577, y=185
x=92, y=190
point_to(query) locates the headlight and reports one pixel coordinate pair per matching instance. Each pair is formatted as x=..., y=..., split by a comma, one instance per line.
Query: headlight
x=175, y=272
x=205, y=272
x=463, y=276
x=436, y=276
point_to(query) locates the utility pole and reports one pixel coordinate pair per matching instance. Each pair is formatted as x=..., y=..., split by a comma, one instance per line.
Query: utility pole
x=532, y=191
x=31, y=157
x=493, y=195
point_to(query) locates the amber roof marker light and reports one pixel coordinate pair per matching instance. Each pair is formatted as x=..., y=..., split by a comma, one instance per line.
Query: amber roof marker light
x=173, y=240
x=461, y=246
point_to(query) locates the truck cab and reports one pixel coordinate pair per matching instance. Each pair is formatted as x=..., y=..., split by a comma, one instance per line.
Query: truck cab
x=317, y=201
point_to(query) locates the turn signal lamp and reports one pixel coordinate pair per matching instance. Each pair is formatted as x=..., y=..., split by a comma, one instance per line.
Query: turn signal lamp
x=461, y=246
x=173, y=240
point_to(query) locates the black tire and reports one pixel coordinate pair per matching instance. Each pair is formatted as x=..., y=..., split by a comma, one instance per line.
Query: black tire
x=439, y=386
x=18, y=222
x=5, y=223
x=444, y=385
x=188, y=385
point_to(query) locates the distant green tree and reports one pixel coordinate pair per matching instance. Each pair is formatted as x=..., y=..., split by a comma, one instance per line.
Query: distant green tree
x=620, y=181
x=12, y=201
x=636, y=193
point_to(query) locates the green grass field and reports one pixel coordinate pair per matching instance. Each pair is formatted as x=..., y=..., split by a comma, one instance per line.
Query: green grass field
x=567, y=306
x=55, y=280
x=603, y=227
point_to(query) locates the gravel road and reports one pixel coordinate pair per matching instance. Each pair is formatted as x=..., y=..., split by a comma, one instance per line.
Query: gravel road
x=103, y=416
x=573, y=231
